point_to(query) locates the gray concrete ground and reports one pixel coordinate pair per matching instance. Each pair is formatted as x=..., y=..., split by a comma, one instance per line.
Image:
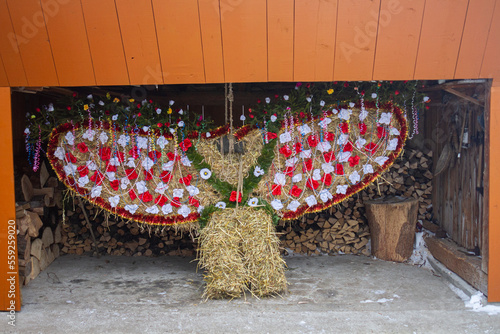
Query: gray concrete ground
x=327, y=294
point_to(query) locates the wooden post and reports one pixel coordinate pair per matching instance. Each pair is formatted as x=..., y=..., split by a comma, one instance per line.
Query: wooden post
x=9, y=293
x=392, y=227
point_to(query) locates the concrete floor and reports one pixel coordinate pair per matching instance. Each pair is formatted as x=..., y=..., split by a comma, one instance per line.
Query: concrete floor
x=327, y=294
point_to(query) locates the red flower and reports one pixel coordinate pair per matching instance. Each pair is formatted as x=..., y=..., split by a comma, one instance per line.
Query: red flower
x=371, y=148
x=302, y=115
x=134, y=152
x=329, y=136
x=82, y=147
x=148, y=175
x=115, y=184
x=194, y=202
x=312, y=140
x=176, y=202
x=165, y=176
x=97, y=177
x=276, y=189
x=308, y=165
x=105, y=153
x=139, y=115
x=344, y=127
x=75, y=94
x=235, y=196
x=131, y=173
x=329, y=156
x=381, y=132
x=146, y=197
x=298, y=147
x=186, y=180
x=312, y=184
x=185, y=144
x=286, y=151
x=348, y=147
x=110, y=168
x=396, y=92
x=83, y=170
x=295, y=191
x=161, y=200
x=154, y=155
x=362, y=128
x=171, y=156
x=339, y=169
x=353, y=161
x=70, y=157
x=327, y=179
x=132, y=194
x=120, y=156
x=271, y=135
x=346, y=84
x=289, y=171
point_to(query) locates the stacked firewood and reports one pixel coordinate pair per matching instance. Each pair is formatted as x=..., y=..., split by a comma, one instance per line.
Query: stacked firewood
x=39, y=231
x=344, y=228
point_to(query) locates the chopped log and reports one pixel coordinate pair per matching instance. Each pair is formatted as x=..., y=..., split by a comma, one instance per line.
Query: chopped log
x=44, y=260
x=55, y=250
x=57, y=234
x=36, y=248
x=392, y=224
x=47, y=237
x=35, y=267
x=33, y=223
x=24, y=247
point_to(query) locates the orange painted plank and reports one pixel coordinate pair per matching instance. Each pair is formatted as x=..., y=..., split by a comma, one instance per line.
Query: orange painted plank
x=68, y=38
x=211, y=39
x=442, y=28
x=179, y=40
x=9, y=49
x=29, y=26
x=494, y=196
x=314, y=44
x=9, y=294
x=280, y=30
x=105, y=42
x=138, y=31
x=491, y=67
x=244, y=40
x=357, y=23
x=397, y=40
x=477, y=24
x=4, y=82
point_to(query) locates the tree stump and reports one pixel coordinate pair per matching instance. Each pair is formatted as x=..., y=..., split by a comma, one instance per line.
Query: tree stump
x=392, y=226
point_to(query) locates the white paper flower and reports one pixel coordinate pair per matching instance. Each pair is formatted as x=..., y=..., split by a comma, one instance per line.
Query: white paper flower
x=305, y=154
x=327, y=167
x=158, y=110
x=82, y=181
x=181, y=112
x=311, y=200
x=242, y=118
x=89, y=135
x=285, y=137
x=316, y=174
x=124, y=182
x=360, y=143
x=69, y=169
x=184, y=211
x=297, y=178
x=101, y=103
x=276, y=204
x=142, y=142
x=345, y=114
x=70, y=138
x=367, y=169
x=192, y=190
x=344, y=156
x=208, y=135
x=362, y=115
x=103, y=137
x=341, y=189
x=200, y=209
x=59, y=153
x=172, y=131
x=147, y=163
x=185, y=161
x=351, y=104
x=285, y=97
x=113, y=201
x=291, y=162
x=171, y=102
x=114, y=117
x=324, y=123
x=123, y=140
x=280, y=179
x=50, y=107
x=114, y=161
x=153, y=210
x=111, y=176
x=132, y=208
x=168, y=166
x=354, y=177
x=322, y=103
x=392, y=145
x=273, y=118
x=426, y=98
x=27, y=131
x=304, y=129
x=324, y=146
x=181, y=124
x=308, y=99
x=130, y=162
x=166, y=209
x=92, y=165
x=335, y=111
x=374, y=95
x=162, y=142
x=143, y=102
x=89, y=96
x=161, y=188
x=254, y=201
x=205, y=173
x=394, y=132
x=96, y=191
x=343, y=139
x=141, y=187
x=220, y=205
x=268, y=100
x=325, y=195
x=293, y=206
x=381, y=160
x=258, y=171
x=385, y=118
x=178, y=193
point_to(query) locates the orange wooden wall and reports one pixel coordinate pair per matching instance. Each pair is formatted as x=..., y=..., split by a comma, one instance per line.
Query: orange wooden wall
x=149, y=42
